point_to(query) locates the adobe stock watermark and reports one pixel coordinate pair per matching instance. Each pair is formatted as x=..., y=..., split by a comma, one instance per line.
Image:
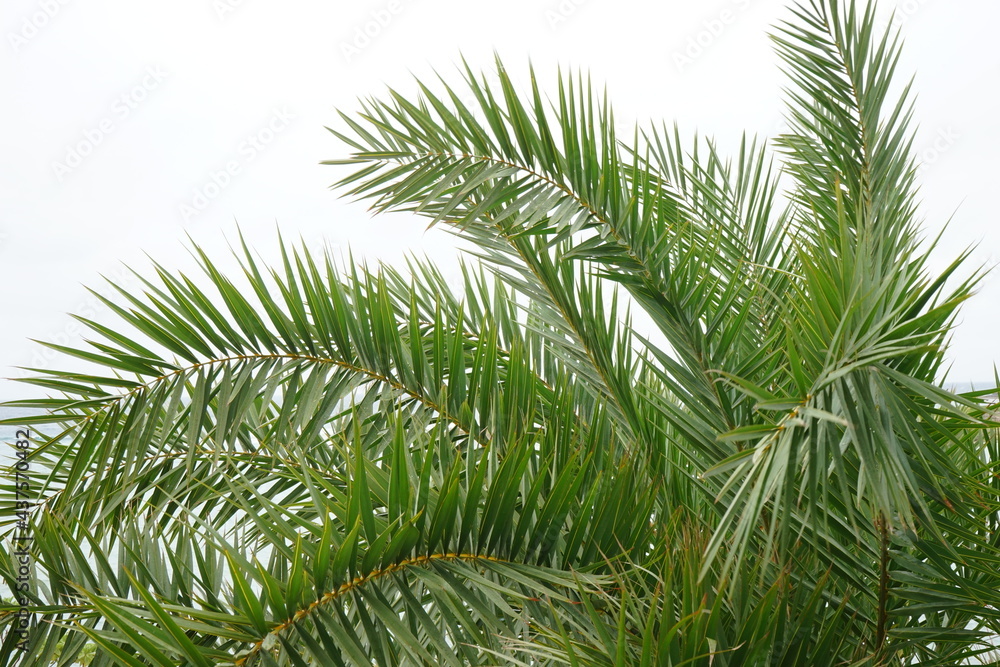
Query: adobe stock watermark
x=34, y=23
x=248, y=150
x=89, y=308
x=944, y=140
x=123, y=106
x=22, y=539
x=558, y=14
x=369, y=31
x=711, y=30
x=896, y=16
x=224, y=8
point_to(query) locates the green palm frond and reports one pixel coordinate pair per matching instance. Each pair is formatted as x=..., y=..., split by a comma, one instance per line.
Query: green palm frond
x=330, y=463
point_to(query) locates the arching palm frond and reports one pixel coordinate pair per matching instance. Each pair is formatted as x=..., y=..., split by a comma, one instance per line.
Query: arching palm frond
x=333, y=464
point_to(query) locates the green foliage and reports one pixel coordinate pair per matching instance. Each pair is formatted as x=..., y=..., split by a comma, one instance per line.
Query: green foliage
x=319, y=464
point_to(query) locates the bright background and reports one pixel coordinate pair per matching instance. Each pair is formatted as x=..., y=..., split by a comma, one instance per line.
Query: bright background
x=118, y=114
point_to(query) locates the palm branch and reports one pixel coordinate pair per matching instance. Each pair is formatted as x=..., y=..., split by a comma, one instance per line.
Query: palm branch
x=330, y=463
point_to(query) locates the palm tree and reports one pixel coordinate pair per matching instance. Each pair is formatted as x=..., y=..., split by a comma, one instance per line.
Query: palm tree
x=326, y=463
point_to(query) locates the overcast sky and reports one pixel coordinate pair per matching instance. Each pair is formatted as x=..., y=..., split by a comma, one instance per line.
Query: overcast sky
x=128, y=125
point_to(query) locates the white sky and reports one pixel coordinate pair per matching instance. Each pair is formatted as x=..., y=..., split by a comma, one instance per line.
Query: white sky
x=174, y=92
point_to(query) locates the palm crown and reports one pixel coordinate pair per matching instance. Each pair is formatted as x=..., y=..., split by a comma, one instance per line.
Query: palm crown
x=327, y=464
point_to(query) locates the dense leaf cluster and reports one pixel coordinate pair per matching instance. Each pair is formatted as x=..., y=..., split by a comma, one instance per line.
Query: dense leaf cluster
x=320, y=464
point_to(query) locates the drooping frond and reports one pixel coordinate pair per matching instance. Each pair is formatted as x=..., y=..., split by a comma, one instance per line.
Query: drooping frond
x=323, y=463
